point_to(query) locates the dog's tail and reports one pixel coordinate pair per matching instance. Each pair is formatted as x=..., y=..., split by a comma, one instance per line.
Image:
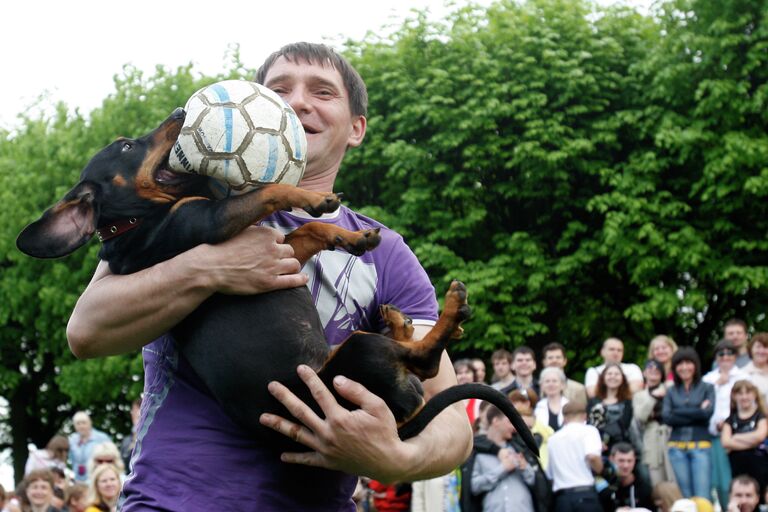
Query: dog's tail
x=463, y=392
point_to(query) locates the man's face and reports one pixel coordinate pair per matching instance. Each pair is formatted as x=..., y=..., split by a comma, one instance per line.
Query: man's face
x=613, y=351
x=554, y=358
x=503, y=426
x=736, y=334
x=745, y=496
x=624, y=462
x=524, y=365
x=501, y=368
x=320, y=99
x=83, y=426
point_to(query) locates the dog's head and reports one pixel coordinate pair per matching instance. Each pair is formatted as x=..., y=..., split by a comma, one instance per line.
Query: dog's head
x=124, y=179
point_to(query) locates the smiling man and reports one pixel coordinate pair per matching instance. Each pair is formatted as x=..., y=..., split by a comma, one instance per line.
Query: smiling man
x=189, y=456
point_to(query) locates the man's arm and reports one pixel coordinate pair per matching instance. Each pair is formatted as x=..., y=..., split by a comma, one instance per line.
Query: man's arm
x=121, y=313
x=595, y=463
x=365, y=441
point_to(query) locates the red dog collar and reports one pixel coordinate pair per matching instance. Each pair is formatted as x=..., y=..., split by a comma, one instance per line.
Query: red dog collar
x=116, y=228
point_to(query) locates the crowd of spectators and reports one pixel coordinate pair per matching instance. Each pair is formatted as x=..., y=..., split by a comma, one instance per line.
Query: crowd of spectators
x=669, y=436
x=83, y=472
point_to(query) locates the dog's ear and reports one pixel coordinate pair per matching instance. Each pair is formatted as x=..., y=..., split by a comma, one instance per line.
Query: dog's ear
x=65, y=226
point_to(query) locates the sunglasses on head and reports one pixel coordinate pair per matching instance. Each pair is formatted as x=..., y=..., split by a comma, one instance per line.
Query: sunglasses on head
x=726, y=352
x=104, y=461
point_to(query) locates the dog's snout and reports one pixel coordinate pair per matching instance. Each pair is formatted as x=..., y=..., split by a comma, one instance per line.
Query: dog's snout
x=179, y=113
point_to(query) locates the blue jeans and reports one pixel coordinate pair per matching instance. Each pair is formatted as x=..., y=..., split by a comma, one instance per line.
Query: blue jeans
x=693, y=471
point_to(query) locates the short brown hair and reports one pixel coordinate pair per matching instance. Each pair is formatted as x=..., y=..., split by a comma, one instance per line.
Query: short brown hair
x=759, y=337
x=321, y=54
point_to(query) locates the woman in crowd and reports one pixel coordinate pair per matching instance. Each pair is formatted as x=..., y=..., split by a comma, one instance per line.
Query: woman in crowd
x=611, y=409
x=665, y=494
x=757, y=368
x=662, y=348
x=745, y=431
x=53, y=455
x=549, y=410
x=687, y=407
x=465, y=374
x=646, y=405
x=104, y=488
x=36, y=492
x=722, y=377
x=106, y=453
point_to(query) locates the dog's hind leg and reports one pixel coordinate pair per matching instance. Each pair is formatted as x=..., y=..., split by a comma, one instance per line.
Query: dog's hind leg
x=422, y=357
x=313, y=237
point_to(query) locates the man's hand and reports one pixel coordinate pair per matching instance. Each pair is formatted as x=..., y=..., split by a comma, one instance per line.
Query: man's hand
x=358, y=442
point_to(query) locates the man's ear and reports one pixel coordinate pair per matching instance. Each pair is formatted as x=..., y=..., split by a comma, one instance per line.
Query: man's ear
x=357, y=134
x=64, y=227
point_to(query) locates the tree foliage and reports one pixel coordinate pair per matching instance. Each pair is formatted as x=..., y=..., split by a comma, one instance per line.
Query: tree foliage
x=587, y=171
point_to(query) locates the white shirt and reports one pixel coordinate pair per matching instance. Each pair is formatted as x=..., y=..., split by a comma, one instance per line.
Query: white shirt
x=759, y=378
x=568, y=449
x=631, y=371
x=541, y=411
x=722, y=395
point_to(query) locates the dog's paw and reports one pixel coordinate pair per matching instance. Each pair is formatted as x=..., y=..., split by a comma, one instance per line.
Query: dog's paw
x=456, y=302
x=362, y=242
x=326, y=203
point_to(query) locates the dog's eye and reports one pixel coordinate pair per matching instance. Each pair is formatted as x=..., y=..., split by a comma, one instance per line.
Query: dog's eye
x=127, y=146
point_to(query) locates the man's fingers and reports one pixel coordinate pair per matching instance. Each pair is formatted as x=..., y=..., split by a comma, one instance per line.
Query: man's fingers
x=296, y=407
x=298, y=433
x=320, y=392
x=359, y=395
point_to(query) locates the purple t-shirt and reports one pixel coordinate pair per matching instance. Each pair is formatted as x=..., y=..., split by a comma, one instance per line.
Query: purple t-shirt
x=189, y=456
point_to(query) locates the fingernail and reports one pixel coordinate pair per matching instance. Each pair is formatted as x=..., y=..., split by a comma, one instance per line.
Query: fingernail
x=265, y=418
x=339, y=380
x=272, y=386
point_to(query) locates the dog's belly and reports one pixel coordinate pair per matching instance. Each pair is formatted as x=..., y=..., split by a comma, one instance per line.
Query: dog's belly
x=238, y=344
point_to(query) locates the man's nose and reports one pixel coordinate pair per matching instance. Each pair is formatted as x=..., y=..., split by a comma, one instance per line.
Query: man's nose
x=298, y=99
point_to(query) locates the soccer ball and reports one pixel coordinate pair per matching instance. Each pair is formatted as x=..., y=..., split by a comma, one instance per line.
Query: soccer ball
x=242, y=134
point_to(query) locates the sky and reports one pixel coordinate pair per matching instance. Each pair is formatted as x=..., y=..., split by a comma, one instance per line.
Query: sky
x=70, y=51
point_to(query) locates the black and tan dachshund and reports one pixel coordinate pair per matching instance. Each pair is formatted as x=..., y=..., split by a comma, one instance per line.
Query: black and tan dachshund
x=143, y=213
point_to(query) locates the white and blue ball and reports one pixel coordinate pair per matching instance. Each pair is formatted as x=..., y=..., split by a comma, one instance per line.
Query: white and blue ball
x=243, y=135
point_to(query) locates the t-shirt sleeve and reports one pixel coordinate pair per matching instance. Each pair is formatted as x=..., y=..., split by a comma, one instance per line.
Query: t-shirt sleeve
x=590, y=379
x=404, y=283
x=633, y=372
x=592, y=443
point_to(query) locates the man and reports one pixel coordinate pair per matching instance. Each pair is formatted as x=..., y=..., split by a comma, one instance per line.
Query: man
x=502, y=477
x=744, y=495
x=630, y=489
x=81, y=444
x=523, y=366
x=574, y=459
x=553, y=354
x=736, y=332
x=185, y=442
x=502, y=368
x=613, y=352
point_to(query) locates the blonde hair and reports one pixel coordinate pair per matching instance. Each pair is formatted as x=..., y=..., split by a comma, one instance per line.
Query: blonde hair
x=107, y=449
x=663, y=338
x=744, y=384
x=667, y=493
x=94, y=496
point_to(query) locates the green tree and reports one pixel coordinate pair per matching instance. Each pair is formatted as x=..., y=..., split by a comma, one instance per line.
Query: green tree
x=41, y=380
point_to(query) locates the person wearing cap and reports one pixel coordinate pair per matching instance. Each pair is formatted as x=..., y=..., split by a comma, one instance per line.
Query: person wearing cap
x=722, y=378
x=574, y=460
x=646, y=405
x=686, y=408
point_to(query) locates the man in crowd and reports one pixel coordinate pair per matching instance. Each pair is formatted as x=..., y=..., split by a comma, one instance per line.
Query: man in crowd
x=612, y=351
x=553, y=354
x=185, y=442
x=627, y=488
x=736, y=332
x=744, y=495
x=574, y=460
x=502, y=368
x=81, y=444
x=523, y=366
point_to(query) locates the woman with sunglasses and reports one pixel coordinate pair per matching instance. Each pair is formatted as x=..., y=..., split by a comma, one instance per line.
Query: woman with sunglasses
x=723, y=377
x=106, y=453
